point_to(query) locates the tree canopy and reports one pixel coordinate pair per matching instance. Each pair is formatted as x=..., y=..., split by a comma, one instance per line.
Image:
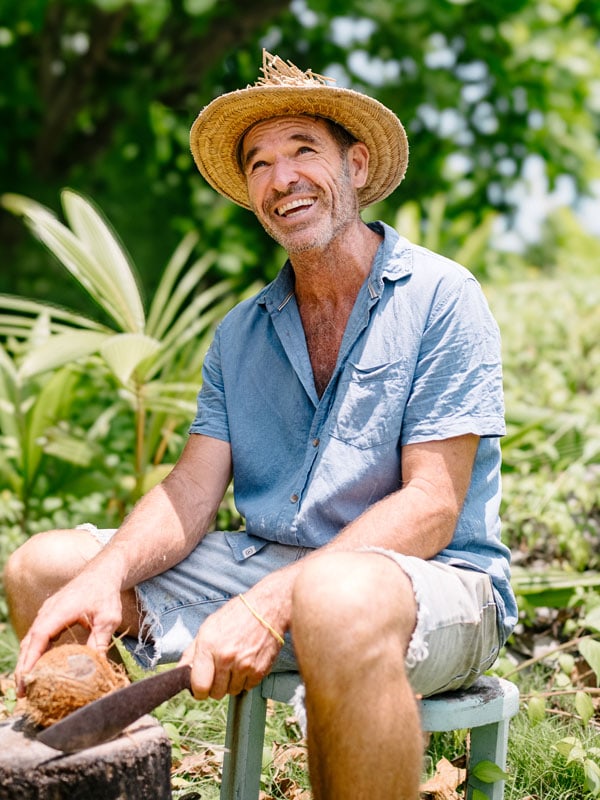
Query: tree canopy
x=99, y=95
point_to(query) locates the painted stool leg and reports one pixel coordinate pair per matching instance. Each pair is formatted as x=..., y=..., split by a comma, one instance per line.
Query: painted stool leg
x=244, y=741
x=488, y=743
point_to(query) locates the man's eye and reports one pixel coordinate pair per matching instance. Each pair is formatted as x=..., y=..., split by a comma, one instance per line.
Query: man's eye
x=257, y=165
x=305, y=149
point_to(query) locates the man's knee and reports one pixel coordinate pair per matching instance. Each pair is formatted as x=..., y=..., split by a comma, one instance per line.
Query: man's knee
x=359, y=596
x=43, y=564
x=59, y=553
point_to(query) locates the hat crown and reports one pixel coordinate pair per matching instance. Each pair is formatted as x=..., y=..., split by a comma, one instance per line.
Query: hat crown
x=277, y=72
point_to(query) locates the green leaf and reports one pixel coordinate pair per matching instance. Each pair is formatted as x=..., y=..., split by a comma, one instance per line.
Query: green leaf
x=584, y=706
x=536, y=710
x=592, y=776
x=592, y=619
x=165, y=287
x=55, y=315
x=67, y=447
x=566, y=662
x=570, y=748
x=113, y=262
x=125, y=352
x=590, y=650
x=60, y=350
x=479, y=795
x=95, y=258
x=488, y=772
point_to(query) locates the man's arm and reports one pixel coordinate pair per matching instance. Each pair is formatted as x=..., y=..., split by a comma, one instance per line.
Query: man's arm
x=420, y=518
x=172, y=518
x=163, y=528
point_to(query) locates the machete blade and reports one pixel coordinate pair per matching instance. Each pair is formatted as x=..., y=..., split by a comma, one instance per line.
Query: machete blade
x=106, y=718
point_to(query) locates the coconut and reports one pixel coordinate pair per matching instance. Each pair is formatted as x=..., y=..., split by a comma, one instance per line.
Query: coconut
x=67, y=677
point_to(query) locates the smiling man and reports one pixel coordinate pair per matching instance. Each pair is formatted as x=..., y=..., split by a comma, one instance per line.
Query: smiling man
x=357, y=403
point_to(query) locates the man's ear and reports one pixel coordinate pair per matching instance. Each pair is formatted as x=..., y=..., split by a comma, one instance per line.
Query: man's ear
x=358, y=161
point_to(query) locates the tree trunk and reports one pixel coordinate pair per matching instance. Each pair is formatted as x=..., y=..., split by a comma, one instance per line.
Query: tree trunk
x=136, y=766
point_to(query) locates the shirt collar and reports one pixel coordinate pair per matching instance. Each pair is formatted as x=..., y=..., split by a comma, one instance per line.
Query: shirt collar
x=392, y=262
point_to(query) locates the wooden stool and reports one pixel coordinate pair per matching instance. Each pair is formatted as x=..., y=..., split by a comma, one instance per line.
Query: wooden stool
x=485, y=709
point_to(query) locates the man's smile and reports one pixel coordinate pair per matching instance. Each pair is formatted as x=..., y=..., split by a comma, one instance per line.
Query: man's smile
x=293, y=206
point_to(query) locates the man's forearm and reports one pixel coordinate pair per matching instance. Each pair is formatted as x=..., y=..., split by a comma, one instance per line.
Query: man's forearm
x=417, y=520
x=169, y=521
x=153, y=538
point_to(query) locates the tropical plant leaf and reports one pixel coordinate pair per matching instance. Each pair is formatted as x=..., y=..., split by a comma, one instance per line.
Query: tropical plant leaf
x=116, y=271
x=125, y=353
x=9, y=396
x=60, y=350
x=82, y=262
x=35, y=308
x=50, y=404
x=164, y=289
x=73, y=449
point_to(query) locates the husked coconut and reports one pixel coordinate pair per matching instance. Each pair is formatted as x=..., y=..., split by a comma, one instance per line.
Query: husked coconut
x=67, y=677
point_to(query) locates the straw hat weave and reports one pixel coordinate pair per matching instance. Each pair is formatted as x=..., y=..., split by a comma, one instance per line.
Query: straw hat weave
x=285, y=90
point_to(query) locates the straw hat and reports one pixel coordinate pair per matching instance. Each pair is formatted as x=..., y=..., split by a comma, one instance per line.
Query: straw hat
x=285, y=90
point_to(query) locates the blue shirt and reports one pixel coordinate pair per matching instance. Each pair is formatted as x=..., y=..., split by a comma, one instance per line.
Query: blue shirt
x=419, y=361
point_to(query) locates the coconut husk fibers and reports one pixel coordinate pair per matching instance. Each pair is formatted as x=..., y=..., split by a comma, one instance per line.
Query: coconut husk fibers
x=67, y=677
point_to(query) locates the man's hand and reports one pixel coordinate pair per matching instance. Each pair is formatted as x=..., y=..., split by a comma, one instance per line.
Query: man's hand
x=232, y=651
x=88, y=601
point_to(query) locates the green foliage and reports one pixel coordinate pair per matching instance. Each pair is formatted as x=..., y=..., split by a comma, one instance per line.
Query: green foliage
x=153, y=360
x=100, y=95
x=540, y=765
x=551, y=329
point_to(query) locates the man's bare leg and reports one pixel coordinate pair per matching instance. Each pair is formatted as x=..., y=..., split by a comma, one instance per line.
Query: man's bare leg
x=41, y=566
x=353, y=617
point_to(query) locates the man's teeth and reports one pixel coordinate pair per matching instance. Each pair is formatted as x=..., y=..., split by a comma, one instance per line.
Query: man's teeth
x=284, y=209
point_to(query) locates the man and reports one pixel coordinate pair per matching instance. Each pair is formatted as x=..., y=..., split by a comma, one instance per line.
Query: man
x=357, y=402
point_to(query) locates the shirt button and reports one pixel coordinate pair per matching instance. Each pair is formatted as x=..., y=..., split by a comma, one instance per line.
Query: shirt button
x=316, y=442
x=294, y=498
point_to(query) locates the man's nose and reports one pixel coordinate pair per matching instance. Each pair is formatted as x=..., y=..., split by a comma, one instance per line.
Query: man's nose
x=283, y=174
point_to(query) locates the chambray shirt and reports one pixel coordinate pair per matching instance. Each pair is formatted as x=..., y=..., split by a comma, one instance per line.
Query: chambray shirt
x=419, y=361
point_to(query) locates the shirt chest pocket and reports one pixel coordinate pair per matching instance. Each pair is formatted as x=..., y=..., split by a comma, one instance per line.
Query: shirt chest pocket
x=370, y=404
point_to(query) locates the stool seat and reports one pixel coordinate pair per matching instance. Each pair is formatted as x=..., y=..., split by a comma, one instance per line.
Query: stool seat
x=485, y=709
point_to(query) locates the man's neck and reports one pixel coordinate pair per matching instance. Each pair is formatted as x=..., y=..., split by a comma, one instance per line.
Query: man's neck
x=327, y=285
x=335, y=274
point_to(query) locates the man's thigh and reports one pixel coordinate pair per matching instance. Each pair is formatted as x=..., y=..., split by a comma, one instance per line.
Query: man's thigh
x=456, y=635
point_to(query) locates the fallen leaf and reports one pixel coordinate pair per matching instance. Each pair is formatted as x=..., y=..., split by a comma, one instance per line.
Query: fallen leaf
x=444, y=783
x=207, y=762
x=283, y=754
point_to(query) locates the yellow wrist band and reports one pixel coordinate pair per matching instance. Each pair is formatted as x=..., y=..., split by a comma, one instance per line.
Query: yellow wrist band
x=262, y=620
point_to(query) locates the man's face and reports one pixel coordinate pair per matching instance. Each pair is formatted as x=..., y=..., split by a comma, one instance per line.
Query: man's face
x=302, y=189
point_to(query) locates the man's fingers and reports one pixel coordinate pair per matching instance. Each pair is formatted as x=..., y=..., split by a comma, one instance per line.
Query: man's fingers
x=203, y=674
x=100, y=639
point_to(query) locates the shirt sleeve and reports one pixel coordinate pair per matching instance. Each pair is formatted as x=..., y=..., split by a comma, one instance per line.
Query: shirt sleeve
x=457, y=383
x=211, y=415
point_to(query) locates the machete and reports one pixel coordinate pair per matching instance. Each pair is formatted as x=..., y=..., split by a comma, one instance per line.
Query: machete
x=104, y=719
